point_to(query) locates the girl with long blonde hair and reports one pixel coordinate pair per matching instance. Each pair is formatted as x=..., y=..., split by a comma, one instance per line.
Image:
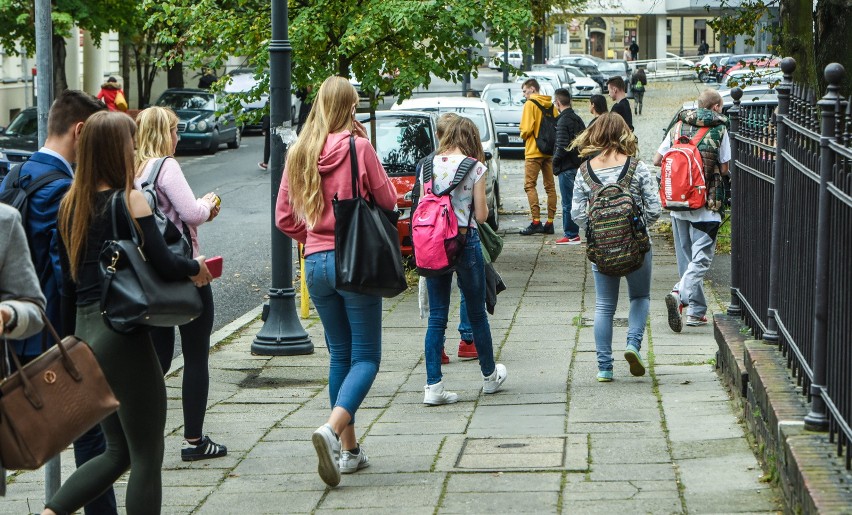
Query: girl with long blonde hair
x=609, y=146
x=156, y=140
x=459, y=141
x=134, y=434
x=317, y=169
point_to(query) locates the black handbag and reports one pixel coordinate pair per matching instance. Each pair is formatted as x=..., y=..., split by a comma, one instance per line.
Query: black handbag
x=367, y=257
x=133, y=294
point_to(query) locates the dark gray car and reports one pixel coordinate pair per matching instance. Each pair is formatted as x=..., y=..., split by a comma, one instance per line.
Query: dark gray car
x=19, y=140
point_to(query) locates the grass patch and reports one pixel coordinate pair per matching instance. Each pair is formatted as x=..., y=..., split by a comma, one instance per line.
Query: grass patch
x=723, y=239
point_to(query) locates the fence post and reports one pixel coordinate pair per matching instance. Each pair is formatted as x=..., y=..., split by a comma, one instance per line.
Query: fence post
x=734, y=308
x=817, y=419
x=788, y=66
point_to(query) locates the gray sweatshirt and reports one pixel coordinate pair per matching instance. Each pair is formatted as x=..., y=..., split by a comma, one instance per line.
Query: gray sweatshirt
x=643, y=188
x=17, y=276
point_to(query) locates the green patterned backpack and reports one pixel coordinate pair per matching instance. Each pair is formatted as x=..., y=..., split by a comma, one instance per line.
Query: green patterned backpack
x=617, y=239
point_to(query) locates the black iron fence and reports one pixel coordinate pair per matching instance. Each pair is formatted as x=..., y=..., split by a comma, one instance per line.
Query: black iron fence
x=792, y=239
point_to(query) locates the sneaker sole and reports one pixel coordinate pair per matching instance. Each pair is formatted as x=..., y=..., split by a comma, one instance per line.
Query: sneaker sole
x=696, y=324
x=636, y=366
x=203, y=457
x=675, y=320
x=468, y=357
x=328, y=470
x=440, y=403
x=360, y=466
x=604, y=379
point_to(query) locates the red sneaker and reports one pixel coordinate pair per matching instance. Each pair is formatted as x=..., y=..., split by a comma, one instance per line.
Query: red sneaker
x=444, y=358
x=467, y=350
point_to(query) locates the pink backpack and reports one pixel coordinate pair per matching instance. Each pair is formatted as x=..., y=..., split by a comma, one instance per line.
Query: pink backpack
x=434, y=226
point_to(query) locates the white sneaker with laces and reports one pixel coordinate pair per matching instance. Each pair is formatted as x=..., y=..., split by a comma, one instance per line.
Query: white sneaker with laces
x=435, y=395
x=492, y=383
x=350, y=463
x=327, y=446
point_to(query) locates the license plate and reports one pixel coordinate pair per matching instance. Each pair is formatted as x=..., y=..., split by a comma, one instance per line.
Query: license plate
x=515, y=139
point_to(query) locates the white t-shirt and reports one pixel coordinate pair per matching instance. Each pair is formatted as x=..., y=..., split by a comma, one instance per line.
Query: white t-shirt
x=702, y=214
x=444, y=171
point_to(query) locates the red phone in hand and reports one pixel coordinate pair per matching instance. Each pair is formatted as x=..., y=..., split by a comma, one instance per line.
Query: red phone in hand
x=214, y=264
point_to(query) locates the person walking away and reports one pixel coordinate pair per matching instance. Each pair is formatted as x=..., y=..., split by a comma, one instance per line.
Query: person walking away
x=597, y=107
x=695, y=231
x=318, y=167
x=112, y=95
x=267, y=135
x=613, y=146
x=156, y=139
x=460, y=141
x=703, y=48
x=135, y=432
x=535, y=161
x=66, y=119
x=616, y=88
x=638, y=82
x=566, y=162
x=626, y=55
x=634, y=51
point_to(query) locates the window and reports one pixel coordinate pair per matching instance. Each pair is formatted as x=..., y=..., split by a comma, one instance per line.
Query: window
x=700, y=32
x=668, y=32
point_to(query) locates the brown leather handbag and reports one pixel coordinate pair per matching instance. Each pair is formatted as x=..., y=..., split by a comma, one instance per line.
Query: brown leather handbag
x=51, y=402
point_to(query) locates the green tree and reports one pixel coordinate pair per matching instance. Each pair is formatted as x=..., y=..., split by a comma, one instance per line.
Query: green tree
x=17, y=17
x=546, y=14
x=387, y=44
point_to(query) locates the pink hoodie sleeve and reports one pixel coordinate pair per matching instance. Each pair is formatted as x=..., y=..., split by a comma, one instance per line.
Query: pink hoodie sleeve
x=285, y=219
x=172, y=183
x=381, y=189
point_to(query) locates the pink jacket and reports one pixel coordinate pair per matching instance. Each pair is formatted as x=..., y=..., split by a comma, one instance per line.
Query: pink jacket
x=336, y=178
x=176, y=199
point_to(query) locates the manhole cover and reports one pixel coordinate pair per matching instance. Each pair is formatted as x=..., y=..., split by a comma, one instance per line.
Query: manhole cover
x=511, y=453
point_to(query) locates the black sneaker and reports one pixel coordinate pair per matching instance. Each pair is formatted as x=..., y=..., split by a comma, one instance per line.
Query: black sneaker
x=548, y=228
x=534, y=228
x=204, y=450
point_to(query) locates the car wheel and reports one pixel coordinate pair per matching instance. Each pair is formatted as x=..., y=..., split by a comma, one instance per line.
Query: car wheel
x=702, y=76
x=237, y=140
x=214, y=142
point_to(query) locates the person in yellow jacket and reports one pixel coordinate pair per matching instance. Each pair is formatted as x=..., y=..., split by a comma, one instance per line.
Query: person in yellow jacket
x=535, y=160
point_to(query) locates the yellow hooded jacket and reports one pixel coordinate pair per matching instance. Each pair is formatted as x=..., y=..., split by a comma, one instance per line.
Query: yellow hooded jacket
x=530, y=123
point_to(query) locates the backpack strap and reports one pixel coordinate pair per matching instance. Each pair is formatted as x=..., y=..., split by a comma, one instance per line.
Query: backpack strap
x=699, y=136
x=155, y=172
x=42, y=181
x=464, y=168
x=592, y=181
x=543, y=110
x=627, y=172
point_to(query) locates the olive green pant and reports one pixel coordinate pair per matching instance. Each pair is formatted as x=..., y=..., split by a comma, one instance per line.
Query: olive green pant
x=134, y=434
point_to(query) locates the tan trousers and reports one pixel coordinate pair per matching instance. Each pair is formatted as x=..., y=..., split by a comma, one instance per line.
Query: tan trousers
x=531, y=169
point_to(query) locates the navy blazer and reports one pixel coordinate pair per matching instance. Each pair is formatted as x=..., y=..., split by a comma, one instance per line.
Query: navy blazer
x=43, y=239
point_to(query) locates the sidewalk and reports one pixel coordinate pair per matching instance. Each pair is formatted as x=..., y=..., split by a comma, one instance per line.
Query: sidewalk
x=554, y=441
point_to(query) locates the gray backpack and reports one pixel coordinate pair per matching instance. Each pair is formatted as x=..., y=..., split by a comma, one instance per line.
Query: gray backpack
x=178, y=240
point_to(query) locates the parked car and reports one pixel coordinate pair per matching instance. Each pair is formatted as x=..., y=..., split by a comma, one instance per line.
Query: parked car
x=243, y=80
x=616, y=67
x=552, y=78
x=516, y=59
x=19, y=140
x=402, y=139
x=506, y=103
x=726, y=63
x=744, y=77
x=708, y=66
x=578, y=82
x=199, y=127
x=477, y=111
x=587, y=64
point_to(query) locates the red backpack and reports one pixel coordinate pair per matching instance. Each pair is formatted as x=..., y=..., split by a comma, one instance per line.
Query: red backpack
x=682, y=186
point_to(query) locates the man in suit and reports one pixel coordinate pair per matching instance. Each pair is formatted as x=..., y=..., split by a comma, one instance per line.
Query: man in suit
x=65, y=122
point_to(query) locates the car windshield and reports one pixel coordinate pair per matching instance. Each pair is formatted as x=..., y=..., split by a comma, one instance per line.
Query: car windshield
x=576, y=72
x=504, y=97
x=24, y=124
x=475, y=114
x=401, y=142
x=611, y=67
x=186, y=100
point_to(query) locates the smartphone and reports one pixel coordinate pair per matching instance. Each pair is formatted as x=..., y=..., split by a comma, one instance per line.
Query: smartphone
x=214, y=264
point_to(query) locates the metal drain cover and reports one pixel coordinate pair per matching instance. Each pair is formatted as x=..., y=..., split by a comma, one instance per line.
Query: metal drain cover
x=511, y=453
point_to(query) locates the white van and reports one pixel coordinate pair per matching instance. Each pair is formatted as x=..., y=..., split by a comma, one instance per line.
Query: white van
x=516, y=59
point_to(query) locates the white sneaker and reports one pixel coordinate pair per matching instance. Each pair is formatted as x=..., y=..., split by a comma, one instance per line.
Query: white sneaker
x=492, y=383
x=328, y=451
x=350, y=463
x=435, y=395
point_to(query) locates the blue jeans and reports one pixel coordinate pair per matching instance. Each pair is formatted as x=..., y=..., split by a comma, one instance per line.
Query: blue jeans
x=465, y=330
x=606, y=300
x=470, y=273
x=353, y=332
x=566, y=189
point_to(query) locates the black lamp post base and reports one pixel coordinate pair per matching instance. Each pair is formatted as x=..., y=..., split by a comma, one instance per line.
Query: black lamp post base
x=282, y=333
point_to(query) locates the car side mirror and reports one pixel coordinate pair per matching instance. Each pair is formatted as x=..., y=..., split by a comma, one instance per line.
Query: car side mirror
x=503, y=138
x=489, y=155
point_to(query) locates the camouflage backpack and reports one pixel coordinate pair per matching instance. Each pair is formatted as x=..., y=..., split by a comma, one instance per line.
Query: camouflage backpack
x=616, y=234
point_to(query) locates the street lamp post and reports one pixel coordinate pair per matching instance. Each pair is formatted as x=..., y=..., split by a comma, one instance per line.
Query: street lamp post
x=282, y=334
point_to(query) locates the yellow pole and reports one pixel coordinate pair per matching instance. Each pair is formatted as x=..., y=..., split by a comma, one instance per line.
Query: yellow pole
x=306, y=304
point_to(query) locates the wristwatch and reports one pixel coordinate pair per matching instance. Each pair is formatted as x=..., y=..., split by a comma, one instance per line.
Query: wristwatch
x=13, y=320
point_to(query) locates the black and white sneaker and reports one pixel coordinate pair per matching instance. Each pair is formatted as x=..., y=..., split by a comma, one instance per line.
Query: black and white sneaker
x=205, y=449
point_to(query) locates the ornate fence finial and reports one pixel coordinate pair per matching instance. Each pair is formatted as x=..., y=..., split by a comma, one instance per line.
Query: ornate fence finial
x=737, y=94
x=788, y=66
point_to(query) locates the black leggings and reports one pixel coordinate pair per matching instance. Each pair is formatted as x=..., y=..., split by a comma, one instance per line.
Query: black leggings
x=195, y=342
x=134, y=434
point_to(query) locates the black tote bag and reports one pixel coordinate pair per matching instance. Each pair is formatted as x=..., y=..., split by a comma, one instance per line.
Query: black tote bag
x=367, y=257
x=133, y=295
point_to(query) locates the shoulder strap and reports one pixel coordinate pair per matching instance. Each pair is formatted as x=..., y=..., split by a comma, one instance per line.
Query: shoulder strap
x=592, y=180
x=44, y=180
x=699, y=136
x=543, y=110
x=427, y=170
x=155, y=172
x=353, y=165
x=464, y=168
x=118, y=203
x=627, y=173
x=14, y=176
